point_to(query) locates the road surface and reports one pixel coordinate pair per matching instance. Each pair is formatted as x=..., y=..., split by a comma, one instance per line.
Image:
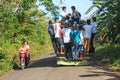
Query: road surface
x=45, y=69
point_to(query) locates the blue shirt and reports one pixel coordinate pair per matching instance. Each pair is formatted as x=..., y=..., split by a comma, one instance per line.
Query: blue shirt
x=75, y=35
x=58, y=15
x=51, y=30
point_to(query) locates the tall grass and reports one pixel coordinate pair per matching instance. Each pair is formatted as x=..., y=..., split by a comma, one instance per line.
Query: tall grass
x=109, y=54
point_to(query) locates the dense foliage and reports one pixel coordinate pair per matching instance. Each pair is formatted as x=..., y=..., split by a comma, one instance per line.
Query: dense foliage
x=109, y=54
x=21, y=20
x=109, y=20
x=108, y=33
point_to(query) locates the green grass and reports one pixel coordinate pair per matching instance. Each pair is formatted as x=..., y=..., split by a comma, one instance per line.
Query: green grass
x=9, y=58
x=109, y=54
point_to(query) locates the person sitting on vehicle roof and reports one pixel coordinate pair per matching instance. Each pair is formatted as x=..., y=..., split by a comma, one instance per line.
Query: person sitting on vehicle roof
x=76, y=16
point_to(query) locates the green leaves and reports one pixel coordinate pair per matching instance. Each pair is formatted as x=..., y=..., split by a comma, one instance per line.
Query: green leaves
x=49, y=6
x=20, y=20
x=107, y=16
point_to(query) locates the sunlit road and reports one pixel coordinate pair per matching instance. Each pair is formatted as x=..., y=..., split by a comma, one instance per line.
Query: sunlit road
x=45, y=69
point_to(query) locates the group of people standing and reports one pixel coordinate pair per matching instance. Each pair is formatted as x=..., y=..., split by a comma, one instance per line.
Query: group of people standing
x=72, y=35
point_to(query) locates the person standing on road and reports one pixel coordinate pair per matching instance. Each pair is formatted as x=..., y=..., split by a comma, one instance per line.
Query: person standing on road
x=52, y=36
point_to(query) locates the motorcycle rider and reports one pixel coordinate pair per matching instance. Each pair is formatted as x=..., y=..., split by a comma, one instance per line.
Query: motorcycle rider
x=28, y=53
x=24, y=49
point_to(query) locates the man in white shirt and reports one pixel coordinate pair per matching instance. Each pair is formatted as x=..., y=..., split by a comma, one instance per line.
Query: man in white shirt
x=87, y=36
x=58, y=35
x=67, y=42
x=63, y=12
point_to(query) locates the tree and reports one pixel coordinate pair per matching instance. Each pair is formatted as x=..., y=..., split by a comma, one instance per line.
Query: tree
x=108, y=19
x=20, y=20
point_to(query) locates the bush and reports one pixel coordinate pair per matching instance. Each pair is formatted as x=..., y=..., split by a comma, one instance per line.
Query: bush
x=109, y=54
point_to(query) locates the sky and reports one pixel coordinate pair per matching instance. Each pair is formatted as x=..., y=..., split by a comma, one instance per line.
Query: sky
x=81, y=6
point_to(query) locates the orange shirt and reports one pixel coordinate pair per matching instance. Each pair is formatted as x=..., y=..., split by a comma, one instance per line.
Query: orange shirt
x=23, y=49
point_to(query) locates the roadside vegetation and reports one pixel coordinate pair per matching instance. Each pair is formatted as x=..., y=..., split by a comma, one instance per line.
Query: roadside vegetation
x=109, y=54
x=21, y=20
x=108, y=32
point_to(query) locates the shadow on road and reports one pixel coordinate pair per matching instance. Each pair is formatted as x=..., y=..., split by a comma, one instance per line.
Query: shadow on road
x=45, y=62
x=95, y=74
x=100, y=73
x=114, y=79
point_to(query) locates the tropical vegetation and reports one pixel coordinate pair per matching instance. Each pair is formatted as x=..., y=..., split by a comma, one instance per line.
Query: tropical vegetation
x=22, y=20
x=108, y=32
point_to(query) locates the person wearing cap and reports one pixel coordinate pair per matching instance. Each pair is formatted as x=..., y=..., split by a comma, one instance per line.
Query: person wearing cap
x=52, y=35
x=76, y=16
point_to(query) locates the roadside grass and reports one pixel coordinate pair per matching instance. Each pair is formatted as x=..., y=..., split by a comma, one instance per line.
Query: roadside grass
x=9, y=58
x=109, y=54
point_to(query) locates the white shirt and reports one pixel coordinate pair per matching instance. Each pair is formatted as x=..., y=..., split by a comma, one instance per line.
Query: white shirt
x=94, y=29
x=81, y=38
x=63, y=13
x=66, y=35
x=87, y=31
x=57, y=30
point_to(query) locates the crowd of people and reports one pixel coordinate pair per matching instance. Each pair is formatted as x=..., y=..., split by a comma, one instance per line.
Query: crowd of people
x=71, y=33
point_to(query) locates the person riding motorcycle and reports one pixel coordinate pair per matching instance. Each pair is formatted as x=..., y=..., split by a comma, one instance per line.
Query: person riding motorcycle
x=25, y=50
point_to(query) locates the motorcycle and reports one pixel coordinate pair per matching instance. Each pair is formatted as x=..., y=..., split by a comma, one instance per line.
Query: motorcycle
x=23, y=60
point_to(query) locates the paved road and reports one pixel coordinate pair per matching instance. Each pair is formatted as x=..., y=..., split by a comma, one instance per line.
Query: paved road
x=45, y=69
